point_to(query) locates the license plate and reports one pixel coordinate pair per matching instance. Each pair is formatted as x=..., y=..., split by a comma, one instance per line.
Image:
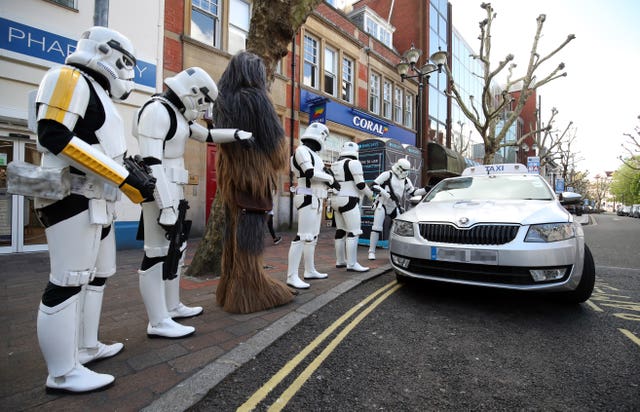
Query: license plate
x=486, y=257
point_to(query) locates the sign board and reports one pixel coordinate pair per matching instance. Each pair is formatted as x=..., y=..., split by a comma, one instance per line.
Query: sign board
x=533, y=164
x=32, y=41
x=559, y=185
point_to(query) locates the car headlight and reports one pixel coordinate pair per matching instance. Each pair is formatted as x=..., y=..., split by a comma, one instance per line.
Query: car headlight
x=550, y=232
x=402, y=228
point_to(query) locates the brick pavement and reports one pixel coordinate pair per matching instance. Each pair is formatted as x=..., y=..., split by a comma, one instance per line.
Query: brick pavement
x=156, y=374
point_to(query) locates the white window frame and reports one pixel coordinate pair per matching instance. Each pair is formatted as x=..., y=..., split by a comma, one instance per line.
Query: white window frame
x=398, y=101
x=238, y=30
x=378, y=30
x=374, y=92
x=348, y=68
x=387, y=99
x=199, y=5
x=310, y=52
x=408, y=109
x=330, y=73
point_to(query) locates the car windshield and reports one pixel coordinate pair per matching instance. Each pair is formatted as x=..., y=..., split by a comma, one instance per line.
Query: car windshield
x=491, y=187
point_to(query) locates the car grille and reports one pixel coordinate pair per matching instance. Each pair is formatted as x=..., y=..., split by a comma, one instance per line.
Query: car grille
x=506, y=275
x=476, y=235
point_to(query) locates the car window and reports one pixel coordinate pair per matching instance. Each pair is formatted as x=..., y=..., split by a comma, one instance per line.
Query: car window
x=493, y=187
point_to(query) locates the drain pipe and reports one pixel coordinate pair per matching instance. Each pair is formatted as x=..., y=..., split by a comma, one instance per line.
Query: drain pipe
x=292, y=125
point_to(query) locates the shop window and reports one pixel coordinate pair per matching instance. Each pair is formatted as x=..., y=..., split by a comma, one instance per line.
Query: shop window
x=347, y=79
x=205, y=21
x=386, y=100
x=310, y=62
x=330, y=71
x=374, y=93
x=239, y=18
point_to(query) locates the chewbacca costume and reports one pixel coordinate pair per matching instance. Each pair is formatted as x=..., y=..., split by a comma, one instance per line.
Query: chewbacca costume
x=247, y=172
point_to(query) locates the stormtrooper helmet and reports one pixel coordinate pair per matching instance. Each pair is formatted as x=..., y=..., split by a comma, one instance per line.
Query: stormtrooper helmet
x=401, y=168
x=109, y=53
x=349, y=149
x=196, y=90
x=315, y=136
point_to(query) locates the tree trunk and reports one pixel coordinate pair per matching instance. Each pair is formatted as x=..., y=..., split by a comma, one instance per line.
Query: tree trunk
x=207, y=260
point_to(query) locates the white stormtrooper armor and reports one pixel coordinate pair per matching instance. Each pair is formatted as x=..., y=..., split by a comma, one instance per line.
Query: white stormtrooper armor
x=162, y=127
x=347, y=170
x=392, y=188
x=313, y=182
x=80, y=130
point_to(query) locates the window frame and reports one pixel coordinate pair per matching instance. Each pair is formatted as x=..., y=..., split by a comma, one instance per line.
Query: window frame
x=387, y=99
x=347, y=80
x=398, y=102
x=216, y=18
x=330, y=74
x=409, y=103
x=374, y=92
x=313, y=65
x=242, y=32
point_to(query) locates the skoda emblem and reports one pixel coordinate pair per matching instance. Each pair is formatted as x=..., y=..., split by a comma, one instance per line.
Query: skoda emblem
x=463, y=220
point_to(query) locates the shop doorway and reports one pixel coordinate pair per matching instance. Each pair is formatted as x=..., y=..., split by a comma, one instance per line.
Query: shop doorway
x=20, y=229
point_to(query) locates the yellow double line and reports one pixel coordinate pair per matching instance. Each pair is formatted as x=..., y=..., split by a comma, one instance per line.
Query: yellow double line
x=286, y=396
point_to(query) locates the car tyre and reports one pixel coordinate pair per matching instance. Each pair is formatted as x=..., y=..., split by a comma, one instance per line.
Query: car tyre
x=587, y=281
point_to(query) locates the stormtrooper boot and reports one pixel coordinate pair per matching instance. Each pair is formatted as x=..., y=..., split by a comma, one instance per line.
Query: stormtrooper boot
x=310, y=271
x=153, y=296
x=295, y=255
x=341, y=260
x=90, y=348
x=352, y=256
x=176, y=309
x=373, y=242
x=58, y=339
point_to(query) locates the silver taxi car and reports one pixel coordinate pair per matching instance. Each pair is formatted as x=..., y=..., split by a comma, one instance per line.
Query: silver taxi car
x=496, y=226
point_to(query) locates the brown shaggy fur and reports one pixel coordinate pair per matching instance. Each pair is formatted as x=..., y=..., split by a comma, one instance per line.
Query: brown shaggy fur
x=251, y=168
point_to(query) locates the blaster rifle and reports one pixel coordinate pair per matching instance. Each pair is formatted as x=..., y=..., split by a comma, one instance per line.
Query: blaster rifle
x=141, y=172
x=177, y=235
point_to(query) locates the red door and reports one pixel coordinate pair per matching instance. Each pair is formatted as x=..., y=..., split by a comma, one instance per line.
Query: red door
x=212, y=179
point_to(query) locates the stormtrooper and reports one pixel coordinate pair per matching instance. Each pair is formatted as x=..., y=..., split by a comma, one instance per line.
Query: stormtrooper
x=392, y=188
x=82, y=139
x=163, y=126
x=313, y=182
x=347, y=170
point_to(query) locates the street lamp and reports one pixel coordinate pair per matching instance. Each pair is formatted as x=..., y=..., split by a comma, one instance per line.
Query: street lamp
x=408, y=63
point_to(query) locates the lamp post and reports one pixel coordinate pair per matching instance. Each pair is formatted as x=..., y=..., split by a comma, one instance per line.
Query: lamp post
x=408, y=63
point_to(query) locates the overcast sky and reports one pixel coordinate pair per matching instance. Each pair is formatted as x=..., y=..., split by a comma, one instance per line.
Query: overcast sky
x=601, y=93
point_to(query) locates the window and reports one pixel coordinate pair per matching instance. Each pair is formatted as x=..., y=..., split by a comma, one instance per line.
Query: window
x=374, y=93
x=386, y=100
x=408, y=110
x=378, y=31
x=68, y=3
x=239, y=18
x=330, y=71
x=205, y=21
x=310, y=62
x=397, y=105
x=347, y=79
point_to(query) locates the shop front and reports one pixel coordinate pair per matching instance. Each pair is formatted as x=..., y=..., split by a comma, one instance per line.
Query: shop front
x=26, y=53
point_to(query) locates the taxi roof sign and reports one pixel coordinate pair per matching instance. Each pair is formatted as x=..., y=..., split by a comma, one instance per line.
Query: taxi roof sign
x=504, y=168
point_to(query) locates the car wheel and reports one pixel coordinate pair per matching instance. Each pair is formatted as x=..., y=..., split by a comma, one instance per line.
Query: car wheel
x=587, y=281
